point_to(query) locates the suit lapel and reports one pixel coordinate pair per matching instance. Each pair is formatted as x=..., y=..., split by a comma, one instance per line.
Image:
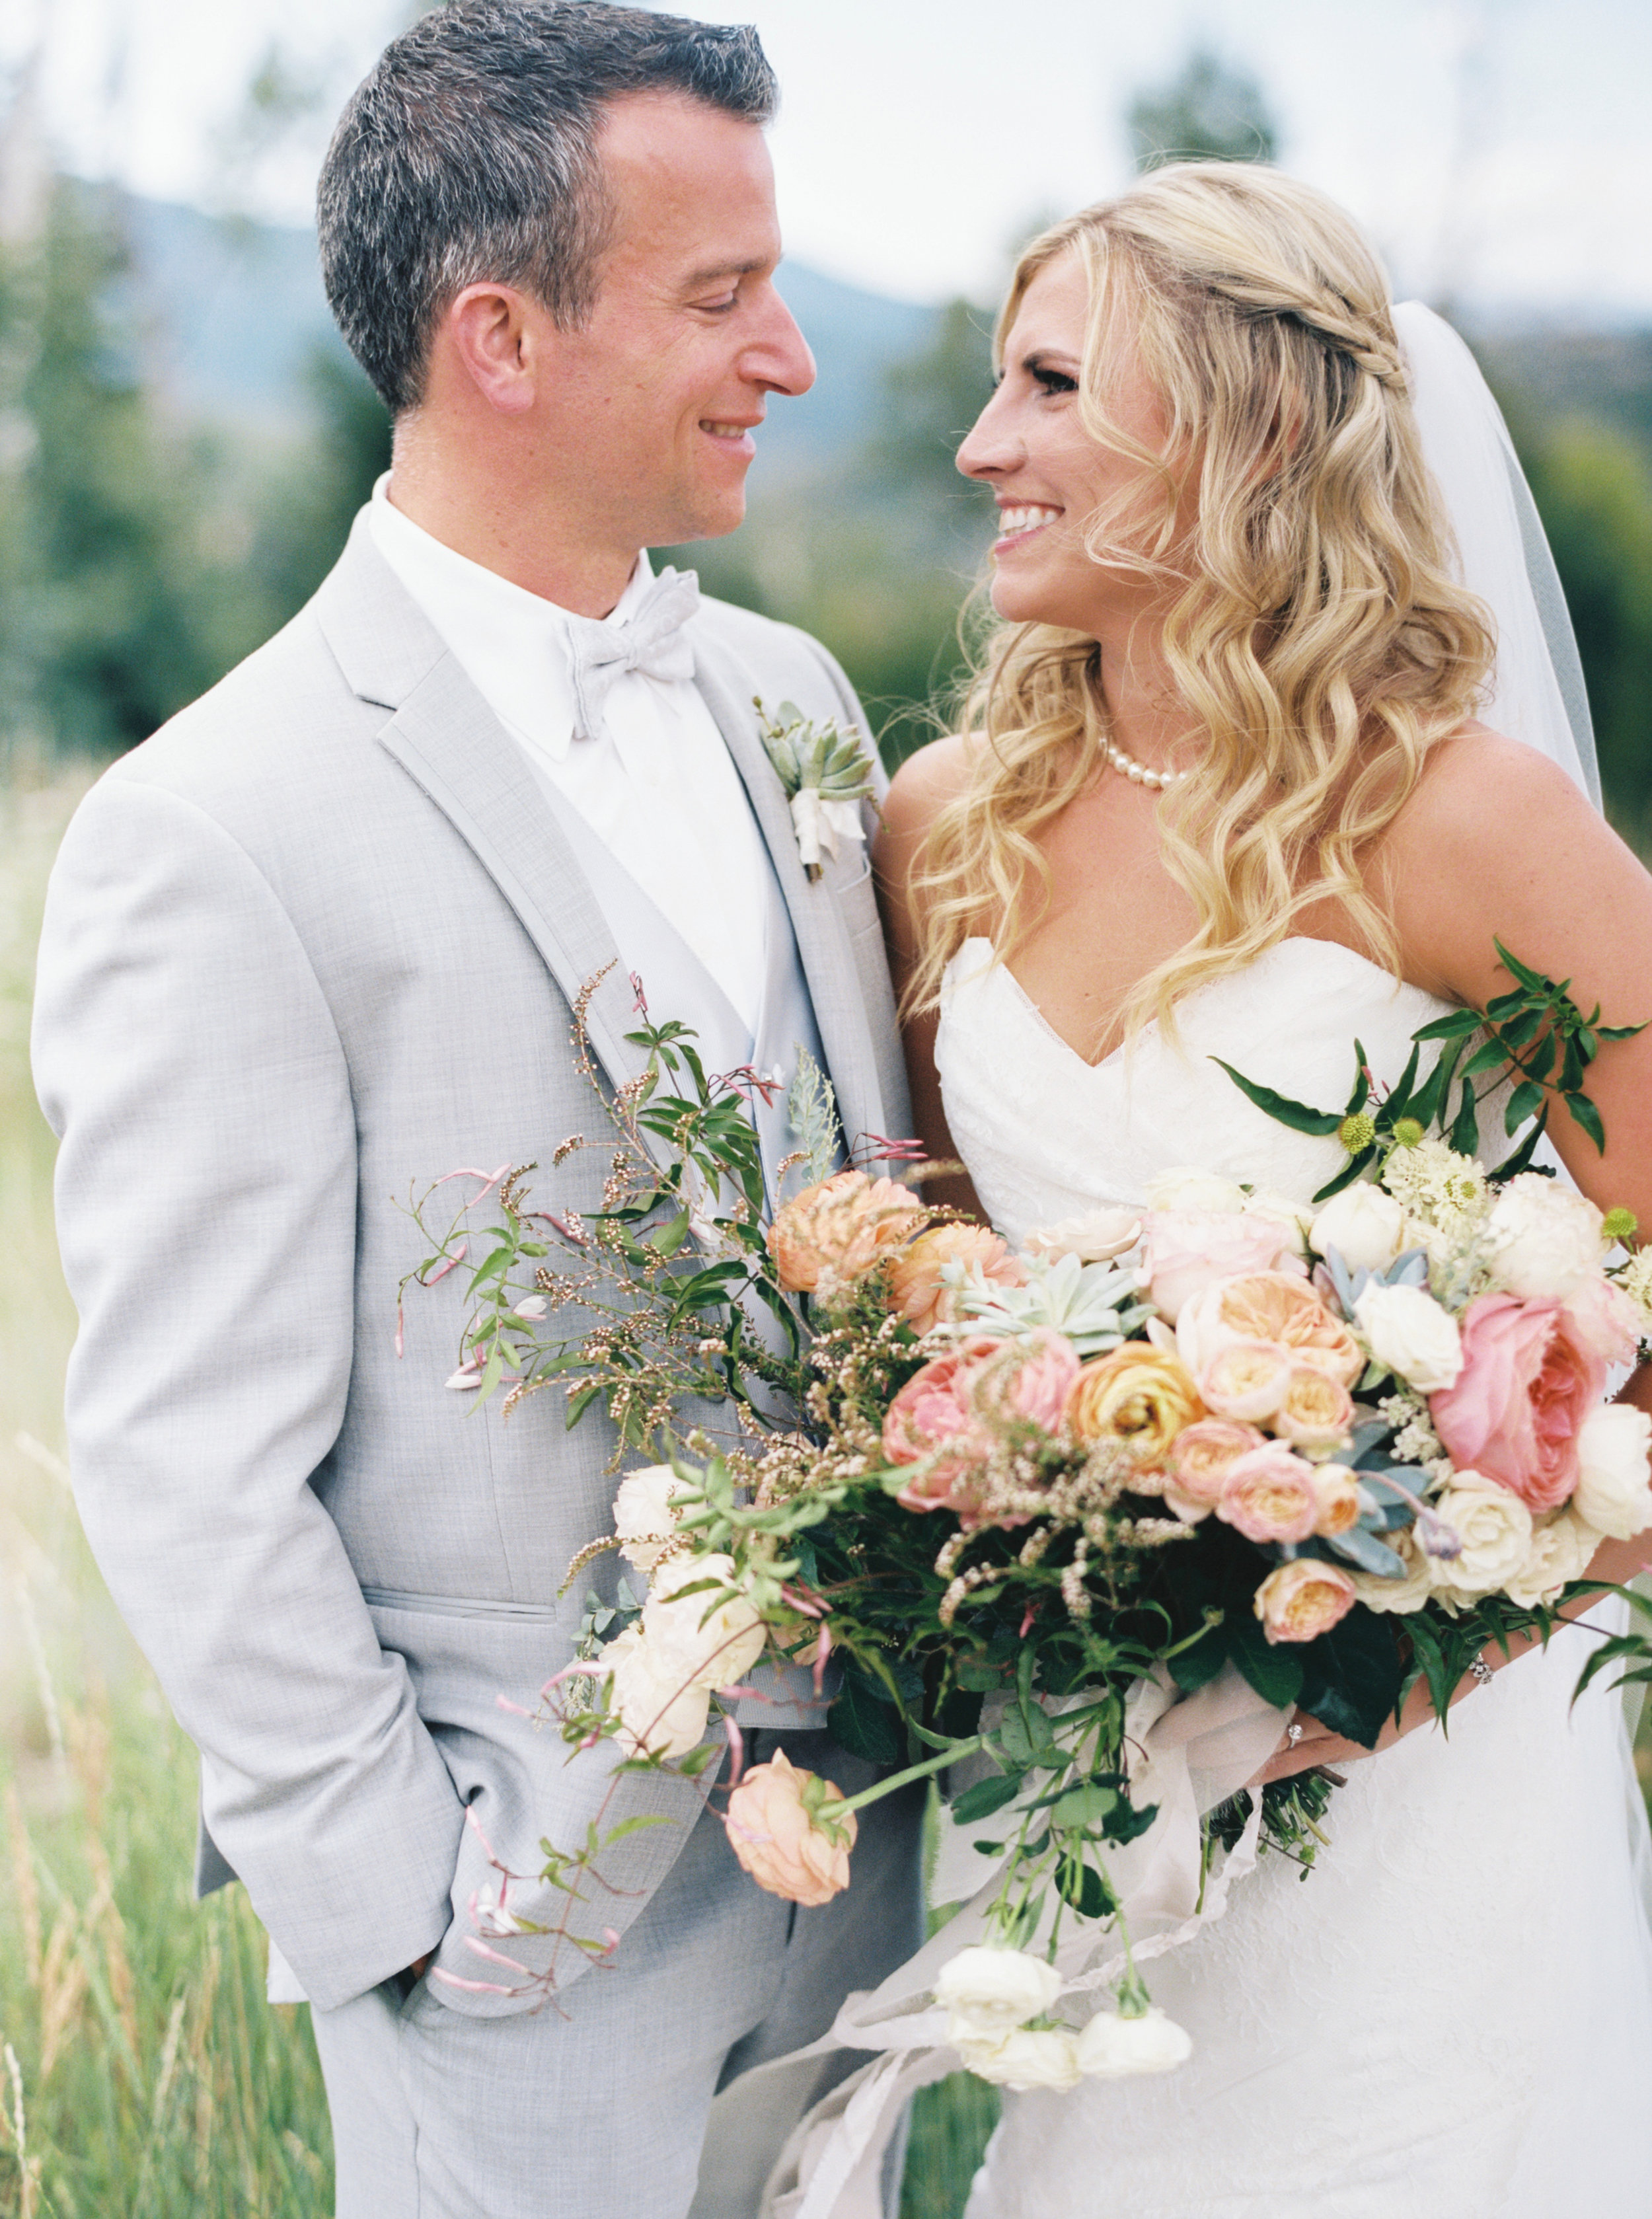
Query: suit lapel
x=455, y=749
x=823, y=941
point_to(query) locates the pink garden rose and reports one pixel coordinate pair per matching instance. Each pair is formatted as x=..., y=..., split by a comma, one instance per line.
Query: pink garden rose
x=1035, y=1384
x=1270, y=1495
x=960, y=1399
x=1530, y=1378
x=1187, y=1250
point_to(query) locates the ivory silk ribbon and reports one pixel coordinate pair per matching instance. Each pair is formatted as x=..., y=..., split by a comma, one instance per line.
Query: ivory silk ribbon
x=1187, y=1756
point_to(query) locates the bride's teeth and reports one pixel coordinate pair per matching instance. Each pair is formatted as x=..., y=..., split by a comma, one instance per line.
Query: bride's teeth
x=1013, y=521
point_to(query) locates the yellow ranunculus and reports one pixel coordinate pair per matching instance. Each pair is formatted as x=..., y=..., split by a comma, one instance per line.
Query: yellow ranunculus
x=1138, y=1396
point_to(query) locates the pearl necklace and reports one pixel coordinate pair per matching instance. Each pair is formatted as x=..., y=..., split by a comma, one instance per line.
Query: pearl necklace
x=1138, y=772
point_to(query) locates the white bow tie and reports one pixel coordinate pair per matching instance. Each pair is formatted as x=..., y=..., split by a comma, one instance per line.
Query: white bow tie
x=651, y=640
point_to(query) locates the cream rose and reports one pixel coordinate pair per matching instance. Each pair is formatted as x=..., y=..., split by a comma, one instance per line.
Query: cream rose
x=1095, y=1236
x=990, y=1991
x=1401, y=1596
x=1494, y=1528
x=1543, y=1239
x=1045, y=2057
x=645, y=1513
x=1111, y=2046
x=1562, y=1547
x=1614, y=1486
x=1412, y=1335
x=709, y=1639
x=660, y=1714
x=1366, y=1228
x=1186, y=1187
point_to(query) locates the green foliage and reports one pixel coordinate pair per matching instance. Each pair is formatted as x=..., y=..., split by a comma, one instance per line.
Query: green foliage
x=1208, y=112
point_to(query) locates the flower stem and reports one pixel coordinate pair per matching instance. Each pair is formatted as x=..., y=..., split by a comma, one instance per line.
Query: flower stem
x=882, y=1787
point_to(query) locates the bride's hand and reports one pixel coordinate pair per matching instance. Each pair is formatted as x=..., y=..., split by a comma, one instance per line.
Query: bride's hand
x=1319, y=1745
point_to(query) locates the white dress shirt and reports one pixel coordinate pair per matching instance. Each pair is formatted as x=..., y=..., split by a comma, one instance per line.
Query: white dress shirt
x=658, y=788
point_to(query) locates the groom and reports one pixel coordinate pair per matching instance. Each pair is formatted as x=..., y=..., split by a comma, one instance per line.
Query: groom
x=317, y=941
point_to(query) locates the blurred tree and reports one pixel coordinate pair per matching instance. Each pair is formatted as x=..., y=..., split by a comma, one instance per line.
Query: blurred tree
x=1593, y=487
x=102, y=630
x=1209, y=112
x=306, y=509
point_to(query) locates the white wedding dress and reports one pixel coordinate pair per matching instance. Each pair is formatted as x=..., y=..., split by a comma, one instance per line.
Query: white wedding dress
x=1450, y=2017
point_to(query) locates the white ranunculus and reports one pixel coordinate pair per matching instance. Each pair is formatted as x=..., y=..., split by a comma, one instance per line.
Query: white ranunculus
x=1045, y=2058
x=1186, y=1187
x=1411, y=1334
x=1542, y=1239
x=1095, y=1236
x=1496, y=1530
x=1404, y=1595
x=1366, y=1228
x=1112, y=2046
x=645, y=1515
x=1614, y=1488
x=660, y=1714
x=990, y=1990
x=1561, y=1548
x=711, y=1639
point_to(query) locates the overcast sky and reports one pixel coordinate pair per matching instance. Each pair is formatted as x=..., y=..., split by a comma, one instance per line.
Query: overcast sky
x=1502, y=151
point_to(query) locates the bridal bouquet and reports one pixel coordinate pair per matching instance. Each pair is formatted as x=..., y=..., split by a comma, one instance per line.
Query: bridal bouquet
x=1019, y=1504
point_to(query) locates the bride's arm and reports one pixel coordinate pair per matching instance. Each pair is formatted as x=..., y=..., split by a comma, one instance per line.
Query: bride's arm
x=922, y=788
x=1497, y=841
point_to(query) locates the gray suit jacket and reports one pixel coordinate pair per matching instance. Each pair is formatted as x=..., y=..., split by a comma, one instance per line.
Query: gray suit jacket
x=312, y=945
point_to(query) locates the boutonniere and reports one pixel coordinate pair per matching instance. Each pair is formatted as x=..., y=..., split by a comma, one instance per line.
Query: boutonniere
x=826, y=774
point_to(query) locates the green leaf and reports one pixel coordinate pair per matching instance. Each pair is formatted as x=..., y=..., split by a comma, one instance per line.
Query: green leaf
x=864, y=1723
x=1351, y=1676
x=1085, y=1805
x=1465, y=1131
x=1521, y=1157
x=1492, y=1055
x=1457, y=1026
x=985, y=1797
x=1520, y=1030
x=1525, y=1102
x=1584, y=1113
x=639, y=1819
x=1194, y=1668
x=1275, y=1674
x=670, y=1238
x=1085, y=1889
x=1296, y=1115
x=1516, y=969
x=1353, y=1168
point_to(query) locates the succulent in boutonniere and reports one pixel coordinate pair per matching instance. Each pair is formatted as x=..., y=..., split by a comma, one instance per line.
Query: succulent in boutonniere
x=826, y=774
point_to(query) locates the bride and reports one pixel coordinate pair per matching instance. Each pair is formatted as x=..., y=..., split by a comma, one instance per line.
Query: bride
x=1222, y=790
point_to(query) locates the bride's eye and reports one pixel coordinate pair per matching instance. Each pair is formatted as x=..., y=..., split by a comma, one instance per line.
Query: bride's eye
x=1054, y=380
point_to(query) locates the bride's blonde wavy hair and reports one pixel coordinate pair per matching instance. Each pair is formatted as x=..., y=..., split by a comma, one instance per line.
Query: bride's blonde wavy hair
x=1317, y=640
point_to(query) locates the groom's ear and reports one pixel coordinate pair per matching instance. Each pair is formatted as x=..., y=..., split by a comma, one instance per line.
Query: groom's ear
x=499, y=339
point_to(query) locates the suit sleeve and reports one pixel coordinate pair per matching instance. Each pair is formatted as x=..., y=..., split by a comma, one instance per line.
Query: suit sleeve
x=206, y=1191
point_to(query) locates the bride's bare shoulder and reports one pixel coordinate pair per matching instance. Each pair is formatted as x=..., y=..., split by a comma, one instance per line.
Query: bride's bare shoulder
x=925, y=783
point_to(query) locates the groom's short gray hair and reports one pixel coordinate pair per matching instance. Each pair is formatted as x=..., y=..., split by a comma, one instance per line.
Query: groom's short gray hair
x=471, y=153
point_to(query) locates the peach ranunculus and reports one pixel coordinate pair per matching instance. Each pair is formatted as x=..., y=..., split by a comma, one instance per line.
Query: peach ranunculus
x=1317, y=1411
x=1303, y=1599
x=834, y=1233
x=1269, y=1495
x=789, y=1848
x=1188, y=1250
x=1275, y=1306
x=1138, y=1396
x=1199, y=1461
x=1530, y=1378
x=917, y=1291
x=1336, y=1495
x=1246, y=1380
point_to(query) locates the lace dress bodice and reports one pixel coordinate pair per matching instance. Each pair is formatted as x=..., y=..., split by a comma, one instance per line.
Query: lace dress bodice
x=1450, y=2017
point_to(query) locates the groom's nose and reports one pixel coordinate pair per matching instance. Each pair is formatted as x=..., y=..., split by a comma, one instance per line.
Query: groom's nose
x=779, y=357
